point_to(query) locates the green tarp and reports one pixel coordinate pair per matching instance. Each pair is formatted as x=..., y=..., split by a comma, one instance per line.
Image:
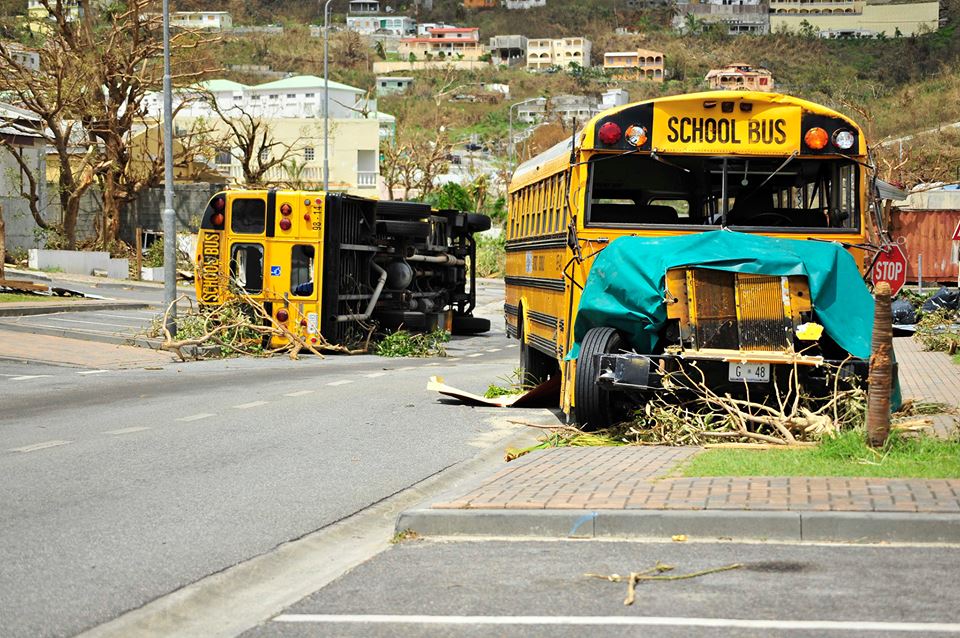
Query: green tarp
x=625, y=289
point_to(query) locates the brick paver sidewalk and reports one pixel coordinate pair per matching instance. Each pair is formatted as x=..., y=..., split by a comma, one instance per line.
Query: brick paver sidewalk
x=931, y=376
x=638, y=478
x=64, y=351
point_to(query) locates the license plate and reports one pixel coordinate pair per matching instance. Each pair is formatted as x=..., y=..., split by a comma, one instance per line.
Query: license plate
x=750, y=372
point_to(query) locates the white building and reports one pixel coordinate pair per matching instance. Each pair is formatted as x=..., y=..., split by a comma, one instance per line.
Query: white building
x=524, y=4
x=613, y=97
x=424, y=28
x=23, y=57
x=392, y=25
x=360, y=7
x=209, y=20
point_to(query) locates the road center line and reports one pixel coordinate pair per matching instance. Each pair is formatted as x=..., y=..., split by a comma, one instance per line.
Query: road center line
x=494, y=350
x=406, y=368
x=27, y=377
x=298, y=393
x=510, y=345
x=374, y=375
x=127, y=430
x=475, y=354
x=38, y=446
x=636, y=621
x=195, y=417
x=453, y=358
x=252, y=404
x=341, y=382
x=92, y=371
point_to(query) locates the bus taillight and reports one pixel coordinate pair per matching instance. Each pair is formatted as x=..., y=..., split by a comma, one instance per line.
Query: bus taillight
x=283, y=315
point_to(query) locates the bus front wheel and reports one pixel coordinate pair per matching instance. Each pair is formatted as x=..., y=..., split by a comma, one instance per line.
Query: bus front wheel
x=595, y=407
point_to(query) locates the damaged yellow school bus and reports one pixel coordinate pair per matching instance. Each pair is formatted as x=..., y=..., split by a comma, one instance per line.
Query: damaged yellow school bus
x=328, y=265
x=757, y=164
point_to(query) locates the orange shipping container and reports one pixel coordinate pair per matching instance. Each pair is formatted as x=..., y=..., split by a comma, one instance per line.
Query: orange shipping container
x=928, y=233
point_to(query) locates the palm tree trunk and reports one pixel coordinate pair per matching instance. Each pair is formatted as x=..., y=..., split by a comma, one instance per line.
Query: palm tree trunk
x=881, y=369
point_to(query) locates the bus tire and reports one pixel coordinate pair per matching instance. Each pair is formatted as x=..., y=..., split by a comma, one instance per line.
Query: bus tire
x=402, y=210
x=467, y=325
x=477, y=223
x=595, y=407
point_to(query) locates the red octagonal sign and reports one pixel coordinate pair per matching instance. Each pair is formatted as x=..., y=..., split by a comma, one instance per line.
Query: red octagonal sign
x=891, y=267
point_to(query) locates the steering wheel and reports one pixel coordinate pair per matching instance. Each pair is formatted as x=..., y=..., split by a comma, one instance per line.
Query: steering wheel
x=778, y=219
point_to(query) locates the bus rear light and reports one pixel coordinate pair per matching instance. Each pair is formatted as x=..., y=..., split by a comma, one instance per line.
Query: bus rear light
x=610, y=133
x=303, y=323
x=313, y=339
x=217, y=219
x=306, y=202
x=219, y=204
x=286, y=209
x=816, y=138
x=843, y=139
x=285, y=223
x=306, y=217
x=636, y=135
x=283, y=315
x=746, y=107
x=318, y=201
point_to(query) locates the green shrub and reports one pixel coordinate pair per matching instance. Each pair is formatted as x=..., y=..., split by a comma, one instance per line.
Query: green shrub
x=491, y=255
x=406, y=344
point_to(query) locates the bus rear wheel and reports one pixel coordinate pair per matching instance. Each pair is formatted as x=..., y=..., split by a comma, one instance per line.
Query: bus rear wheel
x=596, y=408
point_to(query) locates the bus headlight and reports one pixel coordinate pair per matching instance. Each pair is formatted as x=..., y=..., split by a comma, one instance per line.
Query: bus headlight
x=636, y=135
x=843, y=139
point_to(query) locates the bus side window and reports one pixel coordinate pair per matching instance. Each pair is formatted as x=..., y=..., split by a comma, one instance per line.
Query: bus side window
x=248, y=216
x=246, y=267
x=301, y=271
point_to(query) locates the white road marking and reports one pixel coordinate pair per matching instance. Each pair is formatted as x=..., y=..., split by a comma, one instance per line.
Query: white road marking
x=38, y=446
x=298, y=393
x=453, y=358
x=475, y=354
x=629, y=621
x=27, y=377
x=127, y=430
x=341, y=382
x=195, y=417
x=434, y=363
x=92, y=371
x=252, y=404
x=92, y=323
x=406, y=368
x=494, y=350
x=510, y=345
x=374, y=375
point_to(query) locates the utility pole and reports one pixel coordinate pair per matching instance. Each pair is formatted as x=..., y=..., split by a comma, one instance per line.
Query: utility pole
x=168, y=216
x=326, y=96
x=510, y=124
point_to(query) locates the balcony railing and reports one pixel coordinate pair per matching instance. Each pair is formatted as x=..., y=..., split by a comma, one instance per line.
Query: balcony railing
x=366, y=179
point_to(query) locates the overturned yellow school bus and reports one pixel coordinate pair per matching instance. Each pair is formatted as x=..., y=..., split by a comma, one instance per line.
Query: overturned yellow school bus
x=329, y=265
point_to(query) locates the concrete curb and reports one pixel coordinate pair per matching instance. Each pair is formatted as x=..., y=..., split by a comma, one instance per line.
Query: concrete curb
x=49, y=308
x=855, y=527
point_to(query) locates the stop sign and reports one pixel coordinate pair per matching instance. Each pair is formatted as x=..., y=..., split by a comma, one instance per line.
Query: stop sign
x=891, y=267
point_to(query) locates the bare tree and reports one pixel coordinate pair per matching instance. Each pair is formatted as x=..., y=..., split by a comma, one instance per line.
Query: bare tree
x=251, y=142
x=413, y=162
x=96, y=67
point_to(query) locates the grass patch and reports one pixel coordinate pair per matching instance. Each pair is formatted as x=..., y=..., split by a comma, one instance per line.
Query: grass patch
x=512, y=384
x=844, y=455
x=16, y=297
x=956, y=359
x=406, y=344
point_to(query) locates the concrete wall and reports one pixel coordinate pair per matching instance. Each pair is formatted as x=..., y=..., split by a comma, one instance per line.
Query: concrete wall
x=79, y=262
x=189, y=202
x=423, y=65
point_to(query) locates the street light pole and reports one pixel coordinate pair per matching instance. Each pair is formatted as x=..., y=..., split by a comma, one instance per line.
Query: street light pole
x=167, y=216
x=510, y=120
x=326, y=95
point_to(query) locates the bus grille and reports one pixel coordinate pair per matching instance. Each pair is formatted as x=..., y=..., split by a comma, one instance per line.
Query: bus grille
x=761, y=323
x=348, y=248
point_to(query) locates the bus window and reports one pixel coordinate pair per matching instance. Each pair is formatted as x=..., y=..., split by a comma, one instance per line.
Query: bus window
x=301, y=271
x=762, y=192
x=248, y=216
x=246, y=267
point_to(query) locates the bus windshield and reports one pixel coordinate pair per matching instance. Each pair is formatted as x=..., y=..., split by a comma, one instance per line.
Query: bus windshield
x=744, y=193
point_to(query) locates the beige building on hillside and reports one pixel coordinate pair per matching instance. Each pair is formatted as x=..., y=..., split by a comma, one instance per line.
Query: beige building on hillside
x=642, y=64
x=545, y=53
x=740, y=77
x=839, y=18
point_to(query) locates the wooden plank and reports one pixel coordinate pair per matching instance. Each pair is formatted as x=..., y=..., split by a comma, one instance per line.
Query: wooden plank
x=26, y=286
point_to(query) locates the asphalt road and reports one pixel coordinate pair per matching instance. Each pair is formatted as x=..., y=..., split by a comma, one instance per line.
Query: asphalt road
x=122, y=486
x=489, y=588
